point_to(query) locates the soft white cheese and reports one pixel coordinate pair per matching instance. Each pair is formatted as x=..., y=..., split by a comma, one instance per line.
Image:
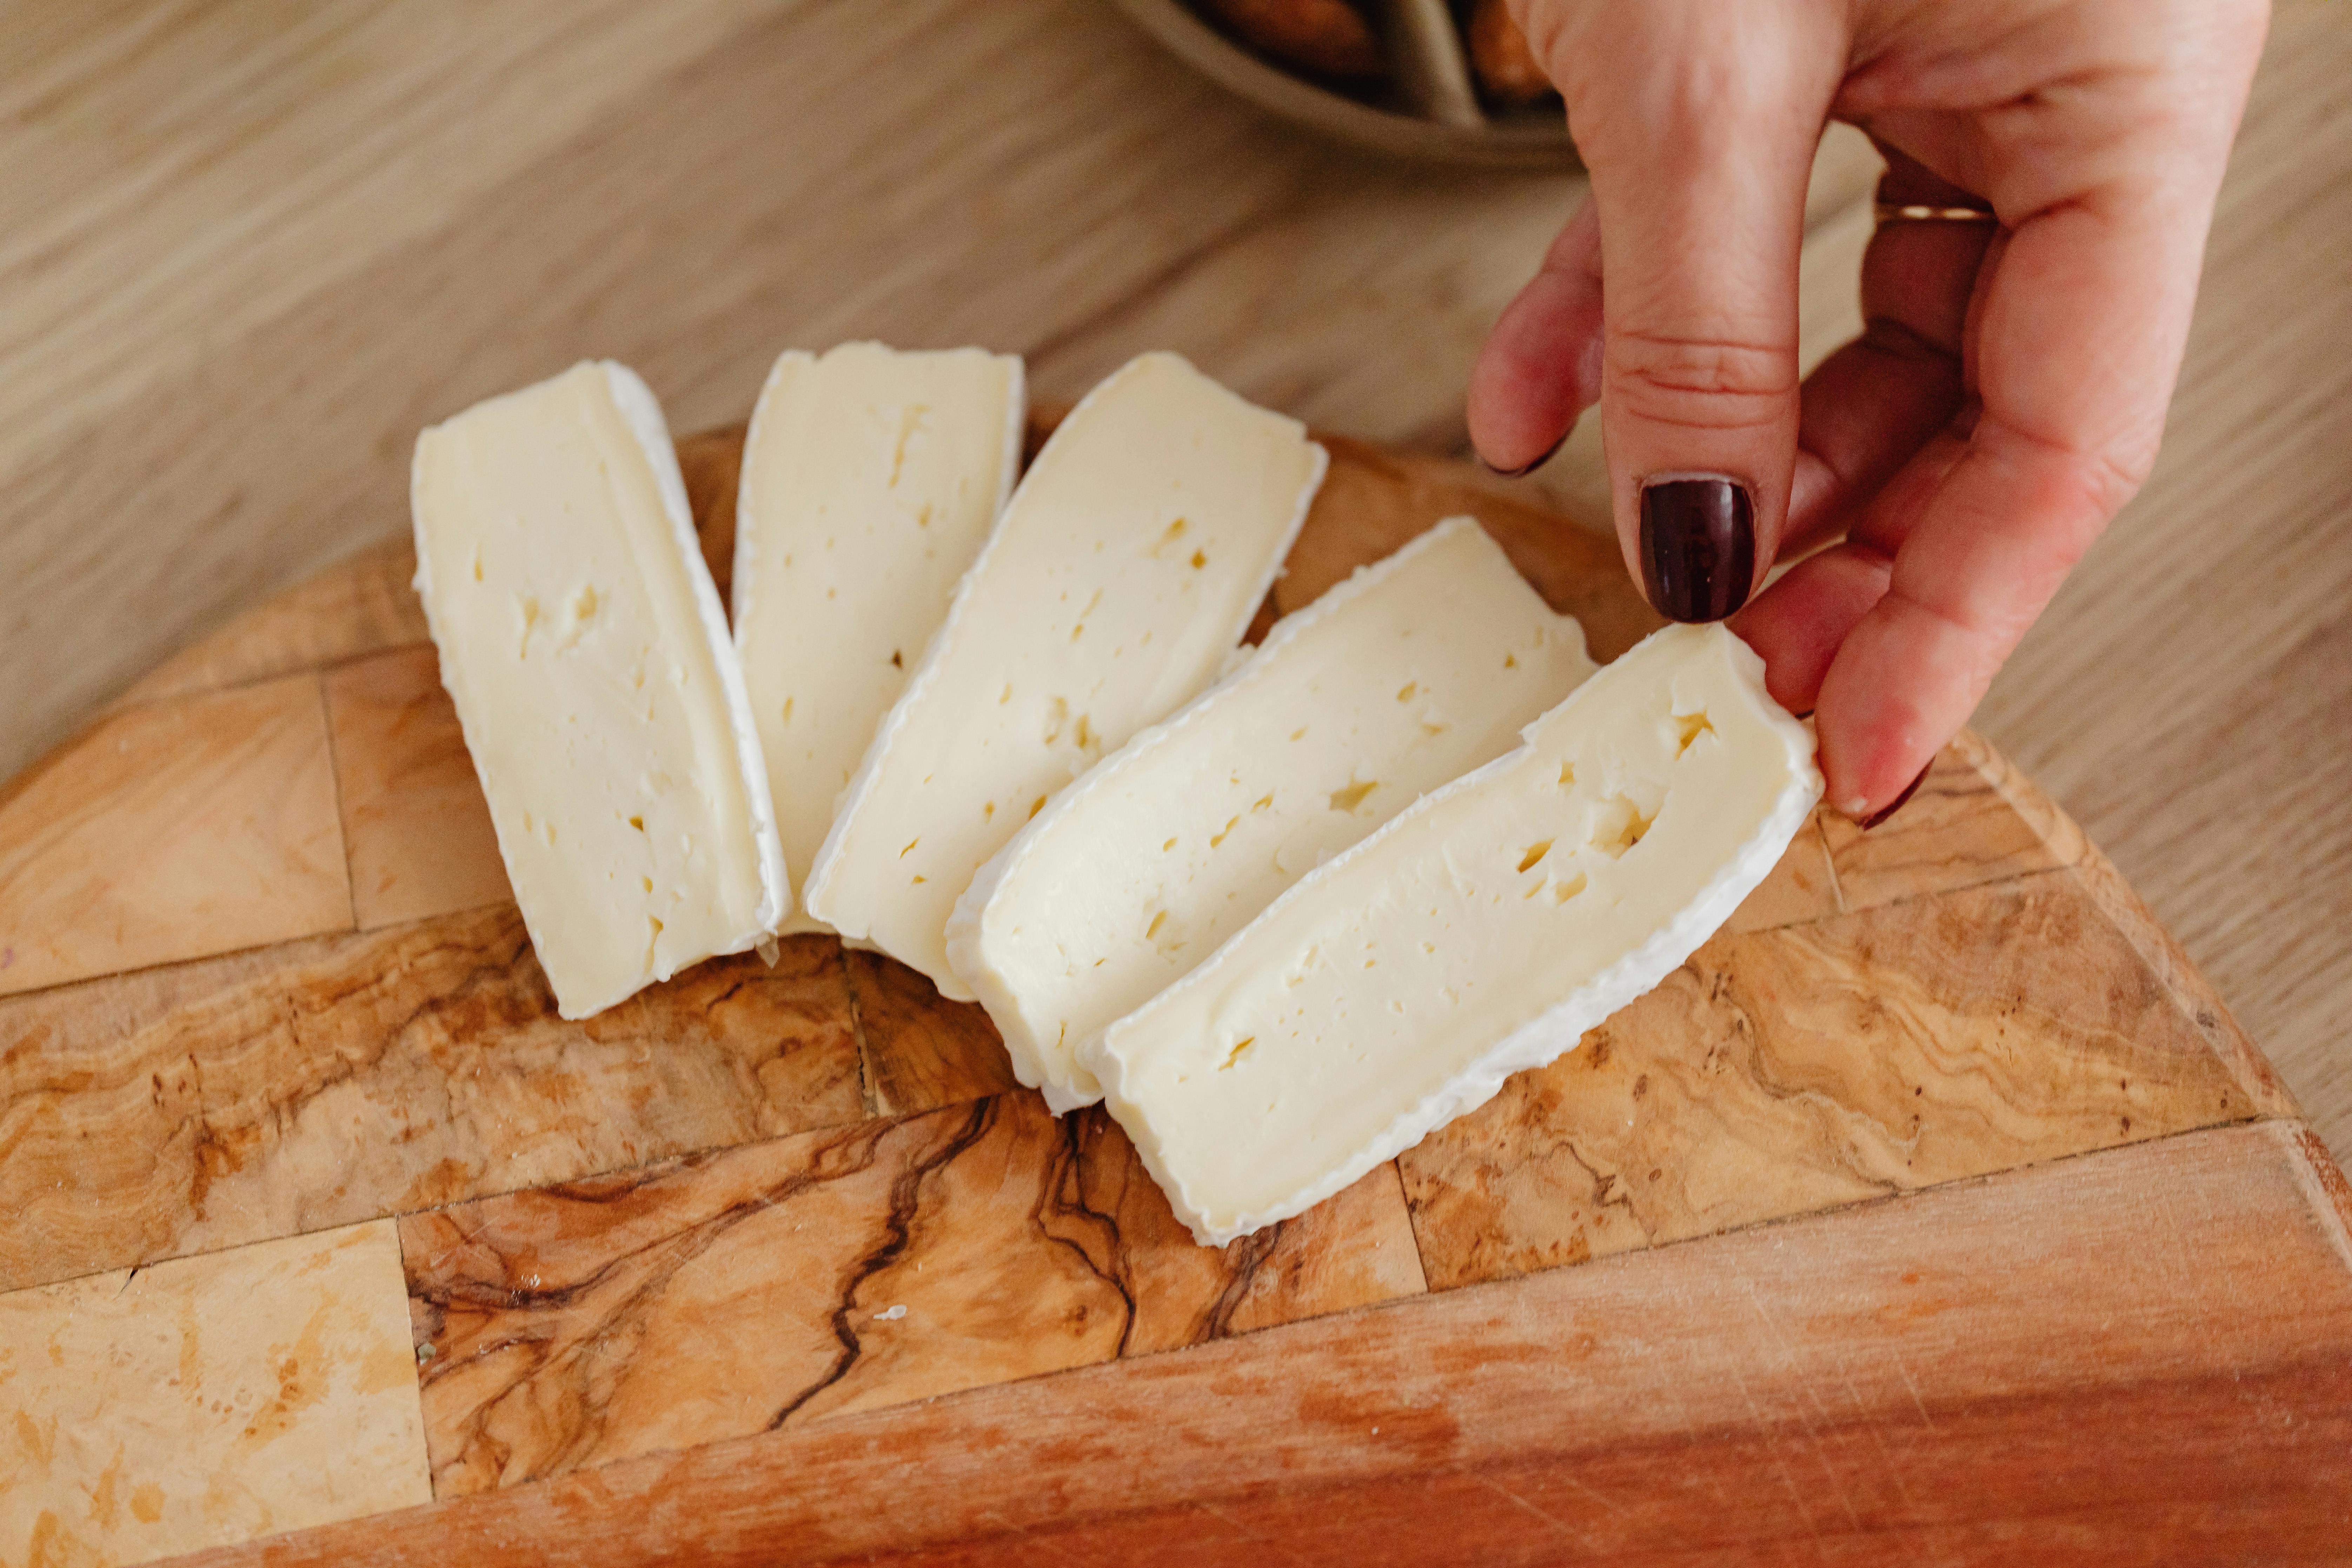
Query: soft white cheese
x=583, y=644
x=1125, y=566
x=1481, y=931
x=871, y=479
x=1407, y=674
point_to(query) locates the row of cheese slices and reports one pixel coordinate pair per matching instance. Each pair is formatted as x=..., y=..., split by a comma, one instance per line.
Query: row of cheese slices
x=1285, y=909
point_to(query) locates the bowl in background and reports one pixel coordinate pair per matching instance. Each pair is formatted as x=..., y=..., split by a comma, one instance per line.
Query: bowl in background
x=1393, y=76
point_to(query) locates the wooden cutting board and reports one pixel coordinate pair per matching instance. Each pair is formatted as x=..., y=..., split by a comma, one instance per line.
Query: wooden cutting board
x=1937, y=1210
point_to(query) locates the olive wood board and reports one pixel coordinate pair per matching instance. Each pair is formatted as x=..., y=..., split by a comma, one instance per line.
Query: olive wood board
x=1935, y=1210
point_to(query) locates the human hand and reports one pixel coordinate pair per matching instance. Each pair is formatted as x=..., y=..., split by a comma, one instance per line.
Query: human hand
x=2008, y=394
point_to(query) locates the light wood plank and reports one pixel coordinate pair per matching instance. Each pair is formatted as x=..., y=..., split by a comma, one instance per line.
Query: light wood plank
x=1801, y=887
x=208, y=1401
x=353, y=608
x=2022, y=1370
x=169, y=833
x=415, y=826
x=1973, y=819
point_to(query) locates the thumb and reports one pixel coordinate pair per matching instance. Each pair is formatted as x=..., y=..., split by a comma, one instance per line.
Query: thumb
x=1698, y=121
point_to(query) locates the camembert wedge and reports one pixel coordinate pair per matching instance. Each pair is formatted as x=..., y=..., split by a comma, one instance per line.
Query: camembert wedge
x=581, y=640
x=871, y=479
x=1408, y=675
x=1124, y=570
x=1481, y=931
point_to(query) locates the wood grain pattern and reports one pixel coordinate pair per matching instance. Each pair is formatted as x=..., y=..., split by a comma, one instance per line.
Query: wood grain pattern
x=208, y=1400
x=1356, y=1250
x=173, y=832
x=922, y=1052
x=1950, y=1377
x=2167, y=966
x=1974, y=819
x=416, y=830
x=744, y=1289
x=198, y=1107
x=1792, y=1070
x=1801, y=887
x=741, y=1292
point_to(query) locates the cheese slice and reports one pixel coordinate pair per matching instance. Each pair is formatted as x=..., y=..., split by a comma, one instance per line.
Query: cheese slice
x=1411, y=673
x=1481, y=931
x=871, y=479
x=1124, y=568
x=583, y=643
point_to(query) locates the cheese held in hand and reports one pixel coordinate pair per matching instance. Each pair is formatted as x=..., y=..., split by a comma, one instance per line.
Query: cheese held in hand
x=1480, y=932
x=1125, y=569
x=1407, y=674
x=583, y=643
x=871, y=478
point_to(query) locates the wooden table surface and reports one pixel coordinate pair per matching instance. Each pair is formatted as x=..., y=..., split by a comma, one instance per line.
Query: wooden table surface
x=246, y=250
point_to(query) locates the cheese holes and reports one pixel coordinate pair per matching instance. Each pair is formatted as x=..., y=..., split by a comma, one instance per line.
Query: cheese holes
x=1534, y=853
x=1688, y=728
x=1620, y=825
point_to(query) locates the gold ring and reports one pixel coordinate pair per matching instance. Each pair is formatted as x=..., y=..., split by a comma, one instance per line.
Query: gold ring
x=1920, y=212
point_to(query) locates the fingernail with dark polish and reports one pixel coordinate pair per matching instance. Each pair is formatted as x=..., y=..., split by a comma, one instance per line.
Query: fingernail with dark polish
x=1892, y=806
x=1698, y=545
x=1524, y=469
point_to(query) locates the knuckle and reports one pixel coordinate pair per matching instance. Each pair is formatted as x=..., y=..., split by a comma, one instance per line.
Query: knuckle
x=1717, y=384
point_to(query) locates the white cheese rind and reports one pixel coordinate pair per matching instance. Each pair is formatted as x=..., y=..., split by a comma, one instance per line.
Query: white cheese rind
x=871, y=479
x=1124, y=569
x=1480, y=932
x=583, y=643
x=1414, y=671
